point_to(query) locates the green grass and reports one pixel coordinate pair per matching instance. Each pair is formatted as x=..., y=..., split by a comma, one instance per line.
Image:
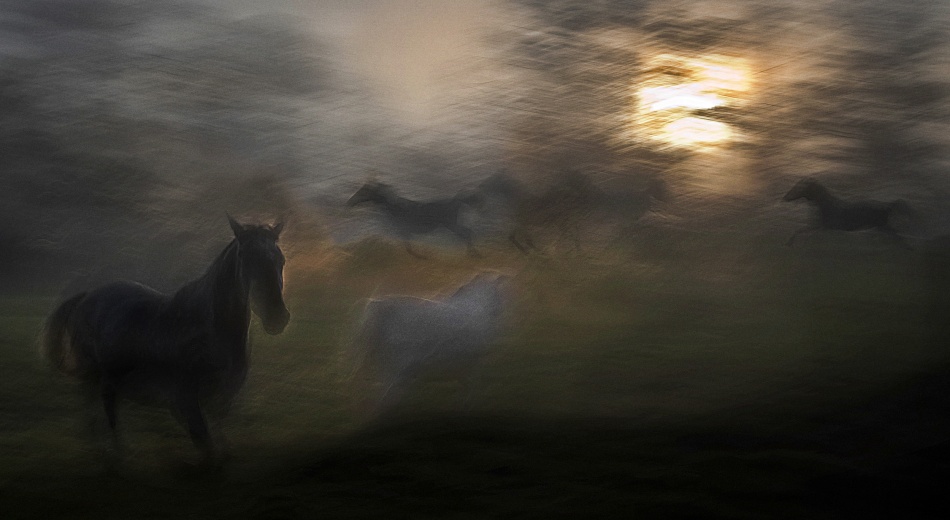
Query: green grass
x=717, y=375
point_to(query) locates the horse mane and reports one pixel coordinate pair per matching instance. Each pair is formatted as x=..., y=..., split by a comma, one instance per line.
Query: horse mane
x=201, y=285
x=810, y=189
x=818, y=189
x=382, y=187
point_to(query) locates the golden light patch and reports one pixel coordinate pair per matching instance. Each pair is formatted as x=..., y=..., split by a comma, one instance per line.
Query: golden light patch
x=675, y=94
x=695, y=131
x=682, y=96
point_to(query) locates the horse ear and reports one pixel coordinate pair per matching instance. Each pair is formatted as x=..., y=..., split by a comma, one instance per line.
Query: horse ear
x=278, y=227
x=235, y=227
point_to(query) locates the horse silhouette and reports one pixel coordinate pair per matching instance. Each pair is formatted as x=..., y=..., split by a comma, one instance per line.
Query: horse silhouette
x=411, y=217
x=400, y=337
x=564, y=205
x=186, y=350
x=838, y=214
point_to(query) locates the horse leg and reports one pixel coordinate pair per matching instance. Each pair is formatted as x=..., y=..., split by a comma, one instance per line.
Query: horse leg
x=528, y=242
x=407, y=242
x=109, y=402
x=514, y=240
x=187, y=406
x=216, y=419
x=95, y=422
x=466, y=235
x=92, y=396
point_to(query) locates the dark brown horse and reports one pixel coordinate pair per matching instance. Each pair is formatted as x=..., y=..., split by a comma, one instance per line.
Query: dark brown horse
x=411, y=217
x=564, y=205
x=558, y=208
x=186, y=350
x=838, y=214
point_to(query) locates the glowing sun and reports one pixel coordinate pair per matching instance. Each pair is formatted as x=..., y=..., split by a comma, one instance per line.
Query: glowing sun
x=677, y=97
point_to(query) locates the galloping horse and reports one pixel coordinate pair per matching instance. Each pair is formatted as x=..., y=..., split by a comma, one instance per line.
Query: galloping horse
x=558, y=207
x=838, y=214
x=563, y=205
x=418, y=218
x=400, y=337
x=187, y=350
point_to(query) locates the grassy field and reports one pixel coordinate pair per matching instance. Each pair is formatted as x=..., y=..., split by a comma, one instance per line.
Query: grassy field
x=701, y=375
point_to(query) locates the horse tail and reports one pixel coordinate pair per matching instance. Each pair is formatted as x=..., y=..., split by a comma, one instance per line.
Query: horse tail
x=57, y=345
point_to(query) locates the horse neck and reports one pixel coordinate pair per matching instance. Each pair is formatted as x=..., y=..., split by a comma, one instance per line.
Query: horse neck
x=395, y=204
x=381, y=198
x=821, y=196
x=228, y=293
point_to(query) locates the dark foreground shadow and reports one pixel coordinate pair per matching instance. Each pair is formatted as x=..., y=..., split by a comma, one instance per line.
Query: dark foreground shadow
x=886, y=455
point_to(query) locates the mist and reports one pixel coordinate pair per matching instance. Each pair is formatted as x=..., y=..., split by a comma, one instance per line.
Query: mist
x=133, y=130
x=121, y=116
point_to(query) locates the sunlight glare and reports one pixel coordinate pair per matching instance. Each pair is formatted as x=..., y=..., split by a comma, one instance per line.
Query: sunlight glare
x=682, y=96
x=695, y=130
x=673, y=89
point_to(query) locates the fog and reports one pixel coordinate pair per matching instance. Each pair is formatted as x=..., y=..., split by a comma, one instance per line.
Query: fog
x=124, y=120
x=665, y=341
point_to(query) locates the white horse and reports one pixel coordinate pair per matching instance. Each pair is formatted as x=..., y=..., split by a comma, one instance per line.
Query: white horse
x=401, y=337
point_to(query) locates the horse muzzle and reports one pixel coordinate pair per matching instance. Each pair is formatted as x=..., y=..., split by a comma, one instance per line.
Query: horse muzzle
x=276, y=323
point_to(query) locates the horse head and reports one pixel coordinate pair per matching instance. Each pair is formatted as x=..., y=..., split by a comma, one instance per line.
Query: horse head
x=262, y=266
x=372, y=191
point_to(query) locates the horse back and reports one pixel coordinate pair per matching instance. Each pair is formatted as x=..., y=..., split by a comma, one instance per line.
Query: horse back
x=424, y=217
x=116, y=306
x=862, y=215
x=129, y=326
x=435, y=328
